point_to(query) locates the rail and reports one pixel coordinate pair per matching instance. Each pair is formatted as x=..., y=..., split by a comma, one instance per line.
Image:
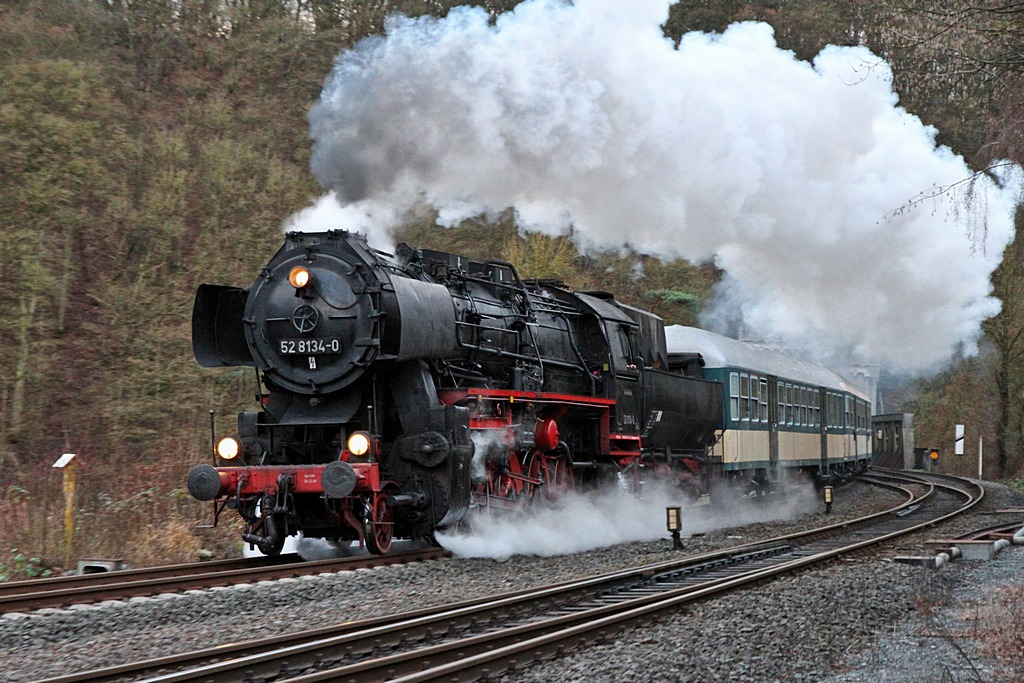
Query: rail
x=19, y=596
x=485, y=635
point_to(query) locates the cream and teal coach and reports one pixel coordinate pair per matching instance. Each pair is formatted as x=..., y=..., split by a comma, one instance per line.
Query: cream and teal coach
x=779, y=413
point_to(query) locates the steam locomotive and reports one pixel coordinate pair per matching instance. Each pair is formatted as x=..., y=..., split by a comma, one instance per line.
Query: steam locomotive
x=403, y=390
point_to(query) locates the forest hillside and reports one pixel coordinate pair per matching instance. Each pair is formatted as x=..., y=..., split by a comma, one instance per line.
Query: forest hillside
x=148, y=146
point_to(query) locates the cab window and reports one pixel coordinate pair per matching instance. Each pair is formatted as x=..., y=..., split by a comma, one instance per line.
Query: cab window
x=624, y=348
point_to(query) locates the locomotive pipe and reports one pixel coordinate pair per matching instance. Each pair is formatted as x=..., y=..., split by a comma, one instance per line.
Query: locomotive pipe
x=265, y=543
x=268, y=542
x=517, y=356
x=417, y=499
x=213, y=435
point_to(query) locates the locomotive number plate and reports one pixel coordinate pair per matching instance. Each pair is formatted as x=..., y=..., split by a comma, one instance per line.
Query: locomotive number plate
x=308, y=347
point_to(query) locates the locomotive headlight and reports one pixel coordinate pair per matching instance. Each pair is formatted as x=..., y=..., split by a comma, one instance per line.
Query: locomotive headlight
x=229, y=447
x=299, y=277
x=359, y=443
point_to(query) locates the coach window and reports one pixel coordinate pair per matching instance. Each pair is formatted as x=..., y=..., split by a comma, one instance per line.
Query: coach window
x=752, y=400
x=782, y=403
x=796, y=405
x=755, y=397
x=744, y=397
x=817, y=408
x=764, y=400
x=734, y=396
x=789, y=404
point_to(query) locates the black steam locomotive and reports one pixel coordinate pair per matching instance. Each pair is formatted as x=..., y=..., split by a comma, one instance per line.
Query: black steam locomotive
x=403, y=390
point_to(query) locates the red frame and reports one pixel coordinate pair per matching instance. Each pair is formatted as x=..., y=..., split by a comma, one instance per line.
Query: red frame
x=250, y=481
x=624, y=448
x=305, y=478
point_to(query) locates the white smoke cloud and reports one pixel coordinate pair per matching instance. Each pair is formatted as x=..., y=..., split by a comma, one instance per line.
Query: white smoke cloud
x=794, y=177
x=368, y=217
x=581, y=522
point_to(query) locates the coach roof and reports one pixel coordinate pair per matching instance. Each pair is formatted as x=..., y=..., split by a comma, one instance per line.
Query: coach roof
x=725, y=352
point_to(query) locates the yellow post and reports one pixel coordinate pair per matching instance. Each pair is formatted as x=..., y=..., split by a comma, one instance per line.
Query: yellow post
x=66, y=463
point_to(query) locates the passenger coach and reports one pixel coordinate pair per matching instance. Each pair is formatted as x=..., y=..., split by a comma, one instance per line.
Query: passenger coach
x=778, y=412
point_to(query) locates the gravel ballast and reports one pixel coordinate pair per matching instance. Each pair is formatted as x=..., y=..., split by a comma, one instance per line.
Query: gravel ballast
x=851, y=621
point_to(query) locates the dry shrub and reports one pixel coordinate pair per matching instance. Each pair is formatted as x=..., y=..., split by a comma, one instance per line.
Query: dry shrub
x=1000, y=625
x=14, y=508
x=927, y=594
x=223, y=541
x=172, y=542
x=33, y=521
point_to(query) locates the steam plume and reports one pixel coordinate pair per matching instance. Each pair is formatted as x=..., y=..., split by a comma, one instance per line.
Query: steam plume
x=795, y=178
x=581, y=522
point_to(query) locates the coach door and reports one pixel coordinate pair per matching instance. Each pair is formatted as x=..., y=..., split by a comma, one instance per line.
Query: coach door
x=773, y=427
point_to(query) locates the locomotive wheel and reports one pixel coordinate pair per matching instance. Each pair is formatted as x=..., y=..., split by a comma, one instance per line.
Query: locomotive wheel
x=506, y=484
x=555, y=473
x=378, y=529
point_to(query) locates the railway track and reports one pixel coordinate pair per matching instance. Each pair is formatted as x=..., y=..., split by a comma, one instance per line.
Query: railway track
x=475, y=639
x=21, y=596
x=996, y=532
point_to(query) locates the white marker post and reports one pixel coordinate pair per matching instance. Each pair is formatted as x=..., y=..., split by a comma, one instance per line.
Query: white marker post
x=958, y=445
x=979, y=457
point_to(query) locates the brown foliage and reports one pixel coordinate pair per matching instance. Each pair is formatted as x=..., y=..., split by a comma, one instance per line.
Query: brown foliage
x=999, y=625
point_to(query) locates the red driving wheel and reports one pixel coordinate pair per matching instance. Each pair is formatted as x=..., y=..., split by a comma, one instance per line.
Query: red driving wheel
x=507, y=484
x=379, y=528
x=554, y=472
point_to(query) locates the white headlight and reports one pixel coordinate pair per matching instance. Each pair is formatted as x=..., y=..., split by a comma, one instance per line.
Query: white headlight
x=299, y=277
x=229, y=448
x=359, y=443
